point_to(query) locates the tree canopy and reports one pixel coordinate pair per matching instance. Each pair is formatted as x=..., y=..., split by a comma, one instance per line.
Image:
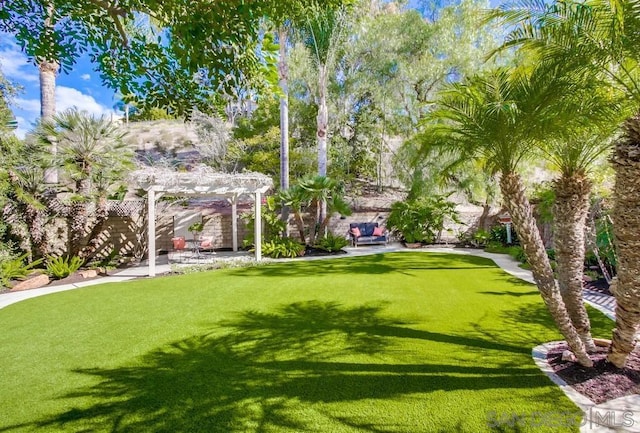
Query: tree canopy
x=173, y=54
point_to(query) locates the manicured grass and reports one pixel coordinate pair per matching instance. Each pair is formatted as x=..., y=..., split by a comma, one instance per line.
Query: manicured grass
x=404, y=342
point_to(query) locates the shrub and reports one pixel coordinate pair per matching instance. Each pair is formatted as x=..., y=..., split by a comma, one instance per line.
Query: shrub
x=13, y=268
x=496, y=247
x=498, y=233
x=331, y=243
x=421, y=220
x=282, y=247
x=517, y=252
x=272, y=224
x=61, y=267
x=480, y=238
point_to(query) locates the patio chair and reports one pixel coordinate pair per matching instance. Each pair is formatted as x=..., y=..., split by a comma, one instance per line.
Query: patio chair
x=206, y=244
x=179, y=245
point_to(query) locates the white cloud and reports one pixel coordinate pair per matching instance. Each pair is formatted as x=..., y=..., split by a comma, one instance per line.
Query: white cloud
x=15, y=66
x=23, y=127
x=85, y=77
x=68, y=97
x=29, y=105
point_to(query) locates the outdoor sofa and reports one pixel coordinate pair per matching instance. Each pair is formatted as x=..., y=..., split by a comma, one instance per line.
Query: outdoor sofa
x=367, y=234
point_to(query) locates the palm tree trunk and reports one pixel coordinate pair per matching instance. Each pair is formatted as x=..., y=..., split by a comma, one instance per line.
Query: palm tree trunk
x=626, y=231
x=77, y=227
x=37, y=222
x=297, y=216
x=95, y=239
x=570, y=215
x=48, y=72
x=520, y=210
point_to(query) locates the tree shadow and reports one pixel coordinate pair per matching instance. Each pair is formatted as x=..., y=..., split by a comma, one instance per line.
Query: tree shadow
x=511, y=293
x=371, y=264
x=262, y=371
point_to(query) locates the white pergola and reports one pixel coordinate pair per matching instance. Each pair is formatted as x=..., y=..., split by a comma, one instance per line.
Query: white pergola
x=202, y=181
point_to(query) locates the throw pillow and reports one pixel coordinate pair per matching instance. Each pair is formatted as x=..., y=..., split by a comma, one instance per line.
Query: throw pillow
x=378, y=231
x=356, y=232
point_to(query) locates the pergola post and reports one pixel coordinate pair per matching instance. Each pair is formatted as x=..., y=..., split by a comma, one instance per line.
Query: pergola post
x=258, y=226
x=234, y=221
x=151, y=231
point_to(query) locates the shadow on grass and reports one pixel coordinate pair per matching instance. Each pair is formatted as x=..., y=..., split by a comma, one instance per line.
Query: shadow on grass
x=267, y=369
x=511, y=293
x=370, y=265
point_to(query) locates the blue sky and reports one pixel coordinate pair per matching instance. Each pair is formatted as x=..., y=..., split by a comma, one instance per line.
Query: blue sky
x=81, y=88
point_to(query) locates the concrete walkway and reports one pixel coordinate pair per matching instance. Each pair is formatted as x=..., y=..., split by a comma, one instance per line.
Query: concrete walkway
x=619, y=415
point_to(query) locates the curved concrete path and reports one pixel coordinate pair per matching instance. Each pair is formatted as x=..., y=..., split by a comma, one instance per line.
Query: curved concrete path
x=619, y=415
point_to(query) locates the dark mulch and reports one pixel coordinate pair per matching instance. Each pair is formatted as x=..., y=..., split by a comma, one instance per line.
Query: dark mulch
x=604, y=381
x=600, y=285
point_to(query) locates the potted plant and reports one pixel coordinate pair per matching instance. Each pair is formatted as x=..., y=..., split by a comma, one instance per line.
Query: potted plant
x=196, y=228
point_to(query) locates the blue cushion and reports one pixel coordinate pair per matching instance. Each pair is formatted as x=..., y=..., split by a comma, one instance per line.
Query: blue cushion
x=368, y=229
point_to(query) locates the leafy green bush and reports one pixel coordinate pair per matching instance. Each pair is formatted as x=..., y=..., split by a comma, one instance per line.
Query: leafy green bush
x=282, y=247
x=62, y=267
x=421, y=220
x=331, y=243
x=272, y=224
x=498, y=233
x=517, y=252
x=110, y=261
x=13, y=268
x=481, y=237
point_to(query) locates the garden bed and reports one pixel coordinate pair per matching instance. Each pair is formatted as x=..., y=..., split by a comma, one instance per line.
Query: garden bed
x=601, y=383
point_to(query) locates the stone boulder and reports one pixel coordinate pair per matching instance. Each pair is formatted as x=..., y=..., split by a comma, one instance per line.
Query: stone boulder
x=40, y=280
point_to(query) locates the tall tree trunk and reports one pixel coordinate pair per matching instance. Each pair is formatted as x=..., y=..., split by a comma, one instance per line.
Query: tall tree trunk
x=297, y=216
x=626, y=232
x=48, y=72
x=570, y=215
x=283, y=80
x=322, y=130
x=520, y=210
x=95, y=236
x=77, y=226
x=79, y=216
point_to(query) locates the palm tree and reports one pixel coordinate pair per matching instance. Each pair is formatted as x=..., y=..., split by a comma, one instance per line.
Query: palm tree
x=496, y=119
x=601, y=38
x=573, y=188
x=321, y=190
x=24, y=165
x=92, y=152
x=311, y=193
x=574, y=150
x=295, y=198
x=320, y=35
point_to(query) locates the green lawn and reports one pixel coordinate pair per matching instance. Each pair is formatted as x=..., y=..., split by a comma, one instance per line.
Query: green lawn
x=403, y=342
